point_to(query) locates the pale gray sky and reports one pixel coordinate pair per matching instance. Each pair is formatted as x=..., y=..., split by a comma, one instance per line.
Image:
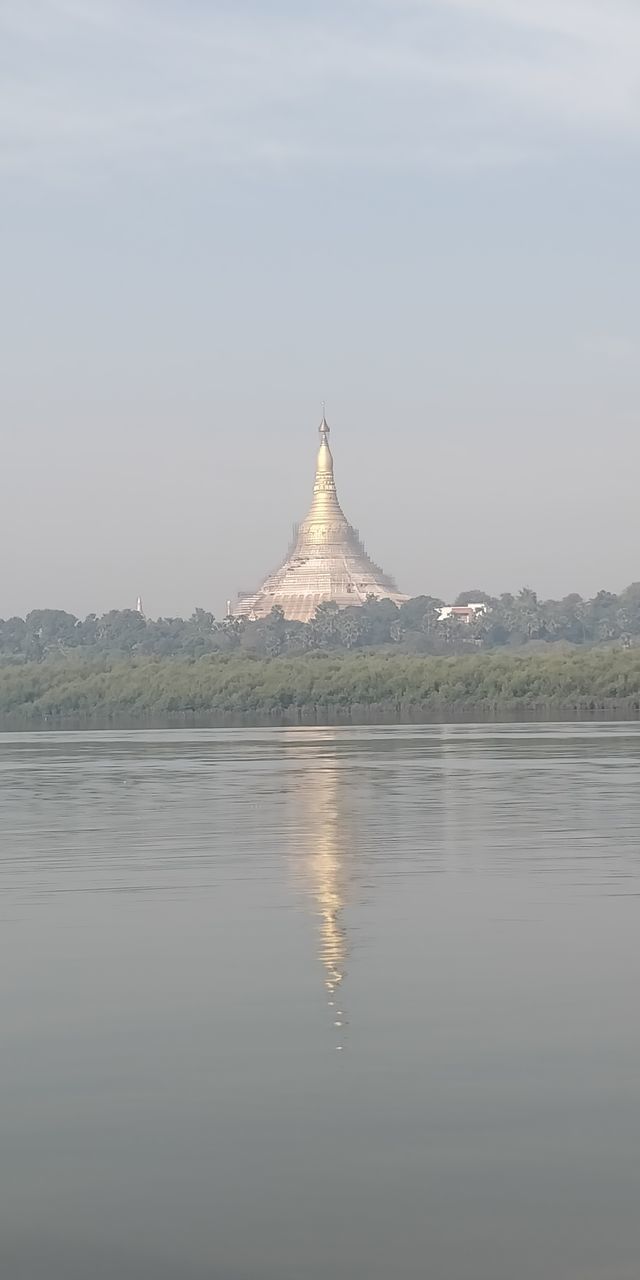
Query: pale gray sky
x=214, y=214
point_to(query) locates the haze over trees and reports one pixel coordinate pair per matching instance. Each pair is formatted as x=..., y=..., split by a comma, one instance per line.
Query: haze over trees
x=510, y=622
x=320, y=687
x=521, y=656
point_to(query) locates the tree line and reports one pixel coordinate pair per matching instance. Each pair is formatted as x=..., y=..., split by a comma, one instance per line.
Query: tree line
x=320, y=687
x=509, y=622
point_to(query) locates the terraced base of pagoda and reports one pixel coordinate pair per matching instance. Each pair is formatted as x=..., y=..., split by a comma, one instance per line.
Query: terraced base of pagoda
x=304, y=582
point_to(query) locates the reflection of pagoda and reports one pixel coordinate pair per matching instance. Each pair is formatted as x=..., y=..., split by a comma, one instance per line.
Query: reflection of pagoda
x=326, y=873
x=321, y=860
x=326, y=562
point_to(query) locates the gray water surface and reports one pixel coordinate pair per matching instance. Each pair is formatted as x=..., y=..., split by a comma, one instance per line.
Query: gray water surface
x=295, y=1004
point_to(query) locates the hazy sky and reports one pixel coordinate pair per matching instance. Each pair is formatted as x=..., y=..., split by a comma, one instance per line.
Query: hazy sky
x=214, y=213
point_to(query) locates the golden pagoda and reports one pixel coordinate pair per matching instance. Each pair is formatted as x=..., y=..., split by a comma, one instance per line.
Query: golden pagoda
x=326, y=560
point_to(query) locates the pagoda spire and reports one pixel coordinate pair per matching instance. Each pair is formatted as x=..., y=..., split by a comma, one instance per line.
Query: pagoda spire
x=324, y=462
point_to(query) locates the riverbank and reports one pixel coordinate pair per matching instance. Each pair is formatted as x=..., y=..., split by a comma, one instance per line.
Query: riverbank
x=320, y=689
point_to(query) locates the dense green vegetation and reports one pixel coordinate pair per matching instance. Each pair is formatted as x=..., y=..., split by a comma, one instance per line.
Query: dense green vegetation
x=509, y=622
x=521, y=656
x=320, y=686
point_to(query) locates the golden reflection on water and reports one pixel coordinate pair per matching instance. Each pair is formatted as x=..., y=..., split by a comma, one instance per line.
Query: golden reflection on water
x=326, y=876
x=325, y=871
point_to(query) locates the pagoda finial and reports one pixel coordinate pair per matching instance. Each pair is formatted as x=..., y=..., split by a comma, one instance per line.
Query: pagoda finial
x=324, y=425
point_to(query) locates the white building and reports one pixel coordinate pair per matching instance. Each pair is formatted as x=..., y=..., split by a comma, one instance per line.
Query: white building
x=462, y=612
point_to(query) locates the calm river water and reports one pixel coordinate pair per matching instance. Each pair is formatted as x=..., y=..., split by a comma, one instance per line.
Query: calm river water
x=305, y=1003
